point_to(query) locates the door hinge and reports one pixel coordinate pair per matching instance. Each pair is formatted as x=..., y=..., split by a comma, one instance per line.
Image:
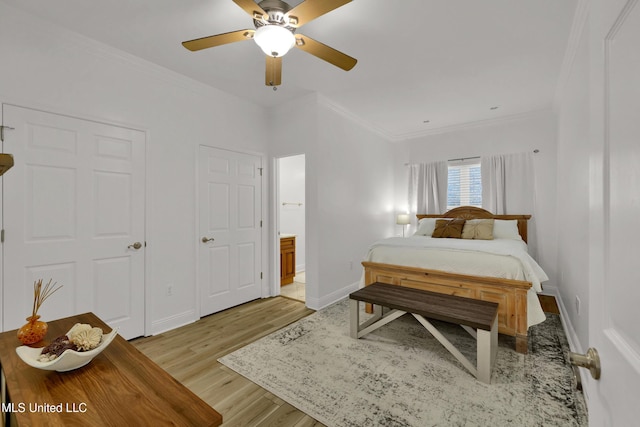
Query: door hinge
x=261, y=275
x=2, y=236
x=260, y=223
x=2, y=128
x=260, y=169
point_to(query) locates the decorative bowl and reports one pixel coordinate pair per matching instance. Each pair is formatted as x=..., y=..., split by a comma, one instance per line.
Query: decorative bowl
x=67, y=361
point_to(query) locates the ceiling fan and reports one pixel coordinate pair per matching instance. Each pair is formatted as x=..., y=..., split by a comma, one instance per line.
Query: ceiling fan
x=276, y=23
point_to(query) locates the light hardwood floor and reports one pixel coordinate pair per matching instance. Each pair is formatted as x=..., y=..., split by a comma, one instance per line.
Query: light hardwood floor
x=190, y=355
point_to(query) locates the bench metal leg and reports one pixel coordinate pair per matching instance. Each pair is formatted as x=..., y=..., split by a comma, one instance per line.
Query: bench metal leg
x=487, y=346
x=447, y=344
x=378, y=320
x=487, y=349
x=354, y=318
x=355, y=326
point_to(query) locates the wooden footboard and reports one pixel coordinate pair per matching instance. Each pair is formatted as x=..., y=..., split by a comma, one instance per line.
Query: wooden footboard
x=511, y=295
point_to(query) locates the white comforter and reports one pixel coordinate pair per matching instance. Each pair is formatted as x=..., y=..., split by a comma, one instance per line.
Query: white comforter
x=503, y=258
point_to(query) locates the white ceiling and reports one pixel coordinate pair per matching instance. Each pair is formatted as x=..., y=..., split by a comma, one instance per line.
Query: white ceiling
x=446, y=61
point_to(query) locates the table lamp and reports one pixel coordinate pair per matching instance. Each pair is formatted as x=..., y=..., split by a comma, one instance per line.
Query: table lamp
x=402, y=219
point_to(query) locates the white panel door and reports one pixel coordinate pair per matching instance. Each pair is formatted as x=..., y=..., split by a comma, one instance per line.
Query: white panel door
x=229, y=255
x=73, y=204
x=614, y=326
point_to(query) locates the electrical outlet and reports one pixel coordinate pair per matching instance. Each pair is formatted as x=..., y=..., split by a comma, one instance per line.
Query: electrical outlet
x=577, y=305
x=169, y=289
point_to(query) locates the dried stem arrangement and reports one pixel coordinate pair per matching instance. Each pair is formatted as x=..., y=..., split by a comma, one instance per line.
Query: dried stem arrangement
x=40, y=293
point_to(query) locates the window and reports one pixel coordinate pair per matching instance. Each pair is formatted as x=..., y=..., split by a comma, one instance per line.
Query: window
x=464, y=186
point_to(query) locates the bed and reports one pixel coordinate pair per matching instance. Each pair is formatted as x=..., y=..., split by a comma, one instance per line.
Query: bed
x=498, y=270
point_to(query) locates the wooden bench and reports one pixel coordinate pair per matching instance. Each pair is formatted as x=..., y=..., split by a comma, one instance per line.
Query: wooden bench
x=478, y=318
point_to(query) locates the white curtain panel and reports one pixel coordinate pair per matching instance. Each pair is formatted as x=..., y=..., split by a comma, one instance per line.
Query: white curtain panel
x=427, y=188
x=508, y=183
x=493, y=184
x=508, y=187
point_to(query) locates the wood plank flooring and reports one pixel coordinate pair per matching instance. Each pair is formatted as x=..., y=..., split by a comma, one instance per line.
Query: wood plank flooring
x=190, y=355
x=549, y=304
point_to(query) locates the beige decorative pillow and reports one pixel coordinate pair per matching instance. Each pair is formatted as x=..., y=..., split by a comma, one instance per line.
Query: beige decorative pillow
x=479, y=229
x=449, y=228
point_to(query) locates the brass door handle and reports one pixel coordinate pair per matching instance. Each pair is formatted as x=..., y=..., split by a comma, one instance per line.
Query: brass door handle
x=591, y=361
x=136, y=245
x=207, y=239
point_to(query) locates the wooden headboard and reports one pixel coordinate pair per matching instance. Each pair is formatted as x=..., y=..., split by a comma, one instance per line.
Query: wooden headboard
x=470, y=212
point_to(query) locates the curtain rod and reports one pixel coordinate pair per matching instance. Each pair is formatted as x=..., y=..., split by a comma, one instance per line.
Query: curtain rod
x=536, y=151
x=463, y=159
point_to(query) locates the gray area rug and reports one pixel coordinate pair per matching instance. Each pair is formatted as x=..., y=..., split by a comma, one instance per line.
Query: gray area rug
x=399, y=375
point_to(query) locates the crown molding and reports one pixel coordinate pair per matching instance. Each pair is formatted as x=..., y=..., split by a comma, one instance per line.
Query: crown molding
x=477, y=124
x=580, y=19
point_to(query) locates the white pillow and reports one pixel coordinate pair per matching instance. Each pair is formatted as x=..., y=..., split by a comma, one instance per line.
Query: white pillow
x=506, y=229
x=426, y=227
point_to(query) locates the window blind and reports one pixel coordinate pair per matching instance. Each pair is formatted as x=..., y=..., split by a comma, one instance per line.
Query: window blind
x=464, y=184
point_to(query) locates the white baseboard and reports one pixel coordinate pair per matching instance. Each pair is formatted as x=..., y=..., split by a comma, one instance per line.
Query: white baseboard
x=173, y=322
x=327, y=300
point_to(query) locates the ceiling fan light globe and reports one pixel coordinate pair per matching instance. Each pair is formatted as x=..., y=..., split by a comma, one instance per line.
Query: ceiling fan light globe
x=274, y=40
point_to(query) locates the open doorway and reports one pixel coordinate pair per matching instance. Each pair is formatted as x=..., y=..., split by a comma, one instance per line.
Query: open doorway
x=291, y=220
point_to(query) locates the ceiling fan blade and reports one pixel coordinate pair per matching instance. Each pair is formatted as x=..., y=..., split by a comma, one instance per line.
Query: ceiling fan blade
x=273, y=76
x=322, y=51
x=251, y=7
x=311, y=9
x=217, y=40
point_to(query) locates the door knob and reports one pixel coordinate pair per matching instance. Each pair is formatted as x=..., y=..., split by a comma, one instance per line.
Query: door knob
x=136, y=245
x=207, y=239
x=591, y=361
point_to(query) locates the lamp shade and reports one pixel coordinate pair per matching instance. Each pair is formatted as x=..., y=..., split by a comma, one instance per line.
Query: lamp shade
x=274, y=40
x=402, y=219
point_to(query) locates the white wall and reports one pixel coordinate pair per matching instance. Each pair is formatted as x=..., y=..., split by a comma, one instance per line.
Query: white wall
x=47, y=67
x=349, y=192
x=291, y=190
x=573, y=194
x=510, y=135
x=356, y=198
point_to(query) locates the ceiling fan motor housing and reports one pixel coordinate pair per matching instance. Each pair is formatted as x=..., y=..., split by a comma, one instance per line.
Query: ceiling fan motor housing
x=276, y=11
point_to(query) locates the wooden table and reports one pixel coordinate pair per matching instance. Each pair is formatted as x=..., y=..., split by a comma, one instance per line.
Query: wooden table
x=119, y=387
